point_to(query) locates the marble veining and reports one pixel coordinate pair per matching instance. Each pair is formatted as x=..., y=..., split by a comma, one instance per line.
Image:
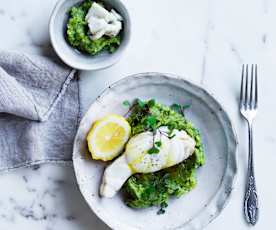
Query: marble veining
x=206, y=41
x=208, y=28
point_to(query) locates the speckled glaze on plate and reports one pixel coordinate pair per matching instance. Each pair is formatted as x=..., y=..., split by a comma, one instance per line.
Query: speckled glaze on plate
x=215, y=179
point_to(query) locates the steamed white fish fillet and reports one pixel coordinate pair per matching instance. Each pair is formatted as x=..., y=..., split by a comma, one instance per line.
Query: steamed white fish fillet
x=98, y=11
x=136, y=158
x=97, y=27
x=113, y=29
x=102, y=22
x=116, y=15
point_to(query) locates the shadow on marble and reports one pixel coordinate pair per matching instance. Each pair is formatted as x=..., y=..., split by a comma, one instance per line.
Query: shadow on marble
x=82, y=215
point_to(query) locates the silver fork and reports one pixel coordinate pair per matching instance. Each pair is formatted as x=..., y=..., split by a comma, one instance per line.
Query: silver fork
x=248, y=108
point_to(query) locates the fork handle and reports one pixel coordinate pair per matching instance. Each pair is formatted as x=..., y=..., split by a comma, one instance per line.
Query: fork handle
x=251, y=209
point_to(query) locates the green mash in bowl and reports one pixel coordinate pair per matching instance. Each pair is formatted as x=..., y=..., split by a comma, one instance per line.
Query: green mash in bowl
x=78, y=36
x=155, y=189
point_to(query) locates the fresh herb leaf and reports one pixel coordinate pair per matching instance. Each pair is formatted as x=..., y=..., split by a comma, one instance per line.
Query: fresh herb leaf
x=186, y=106
x=126, y=103
x=161, y=211
x=151, y=122
x=140, y=103
x=176, y=108
x=158, y=143
x=162, y=208
x=164, y=204
x=151, y=103
x=156, y=147
x=153, y=150
x=180, y=109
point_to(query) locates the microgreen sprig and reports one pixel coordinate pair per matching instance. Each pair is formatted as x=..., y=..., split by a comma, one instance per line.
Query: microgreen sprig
x=126, y=103
x=180, y=108
x=155, y=148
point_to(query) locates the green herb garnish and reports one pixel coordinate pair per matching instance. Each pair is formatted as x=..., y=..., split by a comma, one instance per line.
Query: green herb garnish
x=162, y=208
x=186, y=106
x=158, y=143
x=153, y=150
x=151, y=122
x=141, y=103
x=180, y=108
x=151, y=103
x=126, y=103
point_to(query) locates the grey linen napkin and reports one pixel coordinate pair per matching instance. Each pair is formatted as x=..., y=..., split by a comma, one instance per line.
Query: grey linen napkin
x=39, y=110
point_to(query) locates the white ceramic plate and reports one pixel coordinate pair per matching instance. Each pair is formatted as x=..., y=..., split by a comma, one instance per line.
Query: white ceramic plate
x=215, y=179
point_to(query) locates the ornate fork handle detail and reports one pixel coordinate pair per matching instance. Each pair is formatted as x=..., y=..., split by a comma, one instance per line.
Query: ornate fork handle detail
x=251, y=208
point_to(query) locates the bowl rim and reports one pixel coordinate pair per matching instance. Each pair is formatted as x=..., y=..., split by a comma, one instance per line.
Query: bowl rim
x=81, y=66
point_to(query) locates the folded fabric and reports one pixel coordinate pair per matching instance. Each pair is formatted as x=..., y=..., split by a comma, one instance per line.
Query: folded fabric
x=39, y=110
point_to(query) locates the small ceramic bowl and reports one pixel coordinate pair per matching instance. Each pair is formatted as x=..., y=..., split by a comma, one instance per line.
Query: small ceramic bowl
x=74, y=58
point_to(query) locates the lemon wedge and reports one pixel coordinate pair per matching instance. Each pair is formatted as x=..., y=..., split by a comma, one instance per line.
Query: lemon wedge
x=107, y=137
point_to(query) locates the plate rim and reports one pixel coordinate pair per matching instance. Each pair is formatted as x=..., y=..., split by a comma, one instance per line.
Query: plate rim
x=204, y=216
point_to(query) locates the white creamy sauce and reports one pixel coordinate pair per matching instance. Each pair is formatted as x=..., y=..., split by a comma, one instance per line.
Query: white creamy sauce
x=102, y=22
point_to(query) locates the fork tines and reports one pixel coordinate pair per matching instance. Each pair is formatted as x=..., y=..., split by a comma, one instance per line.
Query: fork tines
x=249, y=96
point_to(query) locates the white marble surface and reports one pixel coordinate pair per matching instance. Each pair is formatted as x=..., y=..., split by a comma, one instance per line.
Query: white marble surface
x=211, y=39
